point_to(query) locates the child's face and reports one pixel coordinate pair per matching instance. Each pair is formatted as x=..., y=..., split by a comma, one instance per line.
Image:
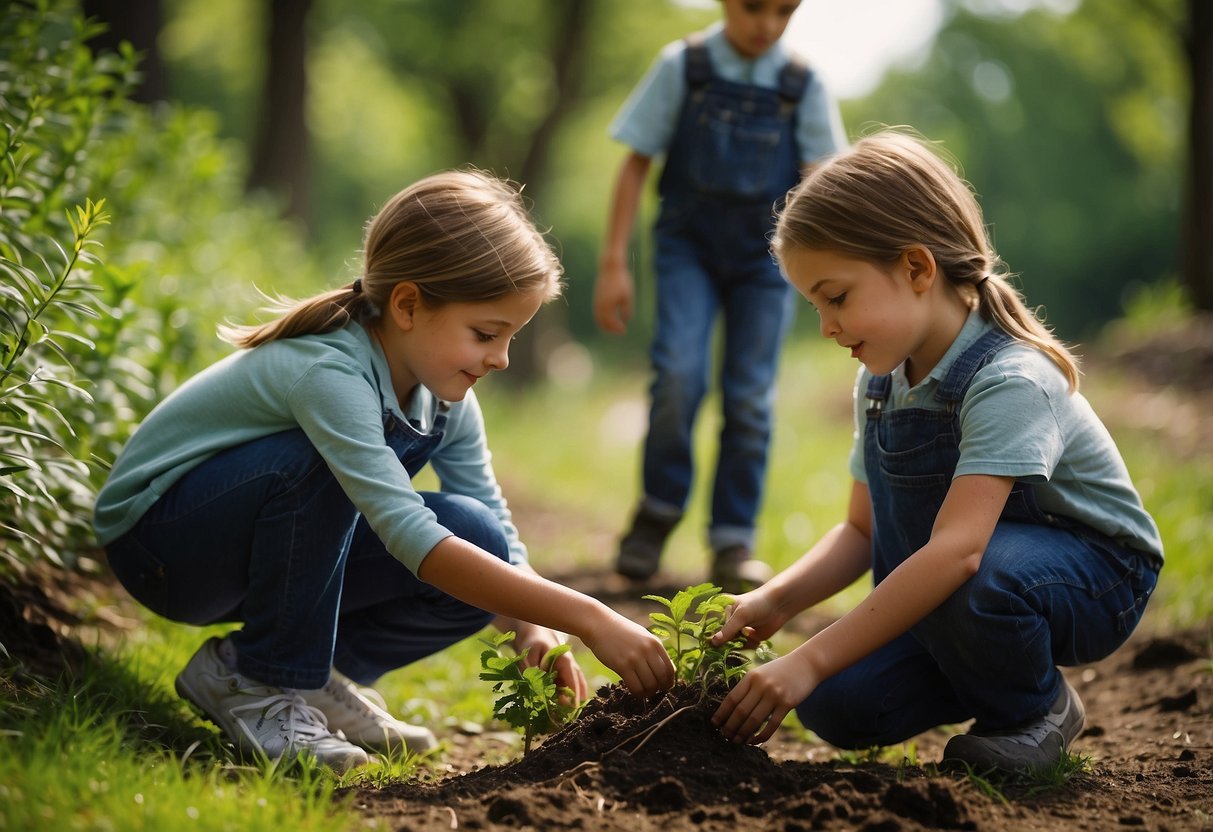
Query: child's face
x=753, y=26
x=449, y=348
x=872, y=311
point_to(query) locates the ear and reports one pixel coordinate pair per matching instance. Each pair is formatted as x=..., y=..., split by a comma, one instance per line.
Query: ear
x=403, y=302
x=919, y=265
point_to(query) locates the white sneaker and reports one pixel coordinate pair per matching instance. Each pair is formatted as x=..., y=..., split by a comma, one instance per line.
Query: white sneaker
x=361, y=716
x=263, y=719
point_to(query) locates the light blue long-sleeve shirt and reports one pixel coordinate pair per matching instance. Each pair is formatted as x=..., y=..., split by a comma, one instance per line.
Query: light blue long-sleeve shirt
x=336, y=388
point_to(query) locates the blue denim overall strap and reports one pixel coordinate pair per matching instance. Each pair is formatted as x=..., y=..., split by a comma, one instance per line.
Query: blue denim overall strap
x=734, y=141
x=412, y=447
x=910, y=455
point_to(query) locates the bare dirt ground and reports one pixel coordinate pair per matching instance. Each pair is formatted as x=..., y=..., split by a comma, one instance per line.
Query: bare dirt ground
x=1149, y=735
x=632, y=767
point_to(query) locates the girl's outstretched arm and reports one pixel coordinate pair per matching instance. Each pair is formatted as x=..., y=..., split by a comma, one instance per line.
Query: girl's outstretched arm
x=614, y=289
x=478, y=578
x=755, y=707
x=534, y=641
x=843, y=554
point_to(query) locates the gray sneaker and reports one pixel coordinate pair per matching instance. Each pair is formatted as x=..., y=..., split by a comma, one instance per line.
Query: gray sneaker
x=1038, y=744
x=361, y=716
x=268, y=721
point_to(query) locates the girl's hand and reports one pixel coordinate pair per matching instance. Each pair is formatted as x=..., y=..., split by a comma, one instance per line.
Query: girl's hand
x=764, y=696
x=534, y=642
x=756, y=615
x=633, y=652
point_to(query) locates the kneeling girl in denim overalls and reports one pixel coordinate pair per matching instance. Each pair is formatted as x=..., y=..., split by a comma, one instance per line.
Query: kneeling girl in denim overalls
x=998, y=519
x=275, y=489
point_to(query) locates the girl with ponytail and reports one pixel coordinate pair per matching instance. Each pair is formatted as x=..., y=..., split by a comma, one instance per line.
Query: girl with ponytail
x=275, y=489
x=990, y=504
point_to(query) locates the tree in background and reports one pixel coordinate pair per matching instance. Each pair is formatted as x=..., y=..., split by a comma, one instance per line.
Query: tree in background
x=281, y=156
x=1071, y=127
x=1071, y=124
x=137, y=22
x=1198, y=238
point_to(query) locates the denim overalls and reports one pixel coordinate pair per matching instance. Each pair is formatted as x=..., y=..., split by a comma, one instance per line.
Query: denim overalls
x=1049, y=590
x=732, y=158
x=263, y=533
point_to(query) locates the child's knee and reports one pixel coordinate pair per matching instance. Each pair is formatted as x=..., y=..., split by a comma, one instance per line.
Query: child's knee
x=470, y=520
x=842, y=715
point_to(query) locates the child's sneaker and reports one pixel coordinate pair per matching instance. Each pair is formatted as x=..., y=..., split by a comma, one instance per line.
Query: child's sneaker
x=736, y=570
x=266, y=720
x=640, y=549
x=1039, y=744
x=361, y=716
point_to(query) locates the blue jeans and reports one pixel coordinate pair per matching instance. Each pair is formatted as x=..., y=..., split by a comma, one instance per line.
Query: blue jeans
x=1042, y=597
x=694, y=288
x=263, y=534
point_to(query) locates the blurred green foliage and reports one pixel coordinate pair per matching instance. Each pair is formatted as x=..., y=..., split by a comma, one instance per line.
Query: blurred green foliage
x=1069, y=123
x=1071, y=128
x=91, y=343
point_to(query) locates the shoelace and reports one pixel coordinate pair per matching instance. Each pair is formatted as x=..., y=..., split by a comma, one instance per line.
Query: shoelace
x=356, y=699
x=300, y=721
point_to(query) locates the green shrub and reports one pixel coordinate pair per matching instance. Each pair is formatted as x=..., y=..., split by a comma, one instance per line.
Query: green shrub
x=55, y=100
x=185, y=249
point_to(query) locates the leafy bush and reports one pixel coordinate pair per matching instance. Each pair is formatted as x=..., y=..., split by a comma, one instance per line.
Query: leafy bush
x=185, y=249
x=54, y=101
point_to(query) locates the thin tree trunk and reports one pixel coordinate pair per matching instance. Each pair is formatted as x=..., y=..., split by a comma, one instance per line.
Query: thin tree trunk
x=280, y=161
x=1198, y=238
x=138, y=22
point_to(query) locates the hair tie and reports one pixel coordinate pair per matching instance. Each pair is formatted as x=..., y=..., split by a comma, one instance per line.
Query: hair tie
x=356, y=288
x=982, y=282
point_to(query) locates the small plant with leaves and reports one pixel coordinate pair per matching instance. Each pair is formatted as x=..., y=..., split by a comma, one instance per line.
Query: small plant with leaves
x=530, y=699
x=692, y=617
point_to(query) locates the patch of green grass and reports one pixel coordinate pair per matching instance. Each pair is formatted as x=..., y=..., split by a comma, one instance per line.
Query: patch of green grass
x=1031, y=782
x=109, y=749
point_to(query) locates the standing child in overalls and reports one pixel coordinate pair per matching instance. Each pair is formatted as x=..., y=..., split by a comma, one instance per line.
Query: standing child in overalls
x=737, y=116
x=998, y=519
x=274, y=489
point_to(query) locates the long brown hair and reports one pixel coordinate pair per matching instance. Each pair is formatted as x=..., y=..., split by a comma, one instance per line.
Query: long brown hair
x=461, y=236
x=891, y=191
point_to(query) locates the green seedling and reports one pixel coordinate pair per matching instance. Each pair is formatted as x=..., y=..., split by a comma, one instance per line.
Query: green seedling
x=688, y=636
x=530, y=700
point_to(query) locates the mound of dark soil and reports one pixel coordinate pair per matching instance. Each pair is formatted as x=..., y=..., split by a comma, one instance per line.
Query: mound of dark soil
x=627, y=765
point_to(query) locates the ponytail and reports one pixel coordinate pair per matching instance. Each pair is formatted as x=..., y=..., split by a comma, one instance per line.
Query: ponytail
x=460, y=236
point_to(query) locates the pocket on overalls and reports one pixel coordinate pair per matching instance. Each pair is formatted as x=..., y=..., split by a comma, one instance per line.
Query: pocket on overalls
x=734, y=159
x=920, y=466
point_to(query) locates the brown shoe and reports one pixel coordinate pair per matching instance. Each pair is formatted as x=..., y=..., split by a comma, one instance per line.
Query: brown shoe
x=640, y=549
x=736, y=570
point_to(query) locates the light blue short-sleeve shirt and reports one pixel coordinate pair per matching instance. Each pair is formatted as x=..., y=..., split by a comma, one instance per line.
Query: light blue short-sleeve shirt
x=649, y=116
x=1019, y=419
